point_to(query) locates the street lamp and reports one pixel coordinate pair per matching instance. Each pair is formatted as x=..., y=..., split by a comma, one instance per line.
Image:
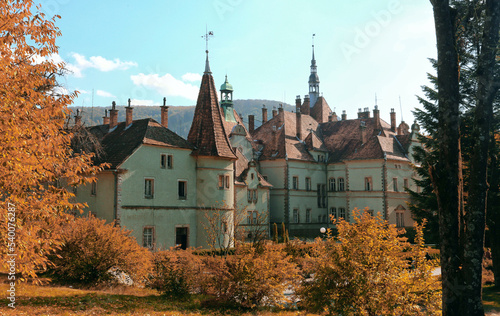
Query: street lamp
x=322, y=230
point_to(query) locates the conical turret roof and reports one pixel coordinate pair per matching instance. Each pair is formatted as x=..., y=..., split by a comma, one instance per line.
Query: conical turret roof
x=207, y=132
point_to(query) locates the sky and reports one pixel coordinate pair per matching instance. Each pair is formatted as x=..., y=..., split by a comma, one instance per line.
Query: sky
x=367, y=51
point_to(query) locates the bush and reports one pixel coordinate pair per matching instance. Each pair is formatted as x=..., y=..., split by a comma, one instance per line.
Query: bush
x=177, y=273
x=94, y=251
x=364, y=271
x=252, y=277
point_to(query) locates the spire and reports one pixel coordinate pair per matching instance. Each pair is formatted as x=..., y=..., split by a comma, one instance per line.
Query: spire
x=207, y=131
x=207, y=65
x=207, y=36
x=313, y=79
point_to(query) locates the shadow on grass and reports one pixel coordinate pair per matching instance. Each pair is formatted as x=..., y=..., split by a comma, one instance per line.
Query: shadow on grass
x=491, y=298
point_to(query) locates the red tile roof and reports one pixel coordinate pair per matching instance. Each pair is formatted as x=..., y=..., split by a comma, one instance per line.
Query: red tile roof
x=342, y=139
x=207, y=132
x=321, y=110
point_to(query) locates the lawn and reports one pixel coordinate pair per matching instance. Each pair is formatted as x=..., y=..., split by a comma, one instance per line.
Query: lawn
x=54, y=300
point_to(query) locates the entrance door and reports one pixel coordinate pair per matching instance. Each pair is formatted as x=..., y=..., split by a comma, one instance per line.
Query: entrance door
x=181, y=237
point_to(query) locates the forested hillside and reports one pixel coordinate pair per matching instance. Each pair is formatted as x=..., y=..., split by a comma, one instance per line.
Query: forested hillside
x=180, y=117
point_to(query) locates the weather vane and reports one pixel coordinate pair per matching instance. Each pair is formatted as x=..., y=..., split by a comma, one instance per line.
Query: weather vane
x=313, y=38
x=207, y=36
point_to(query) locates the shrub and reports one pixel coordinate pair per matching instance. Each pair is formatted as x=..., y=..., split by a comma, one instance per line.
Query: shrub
x=93, y=251
x=253, y=277
x=177, y=273
x=364, y=271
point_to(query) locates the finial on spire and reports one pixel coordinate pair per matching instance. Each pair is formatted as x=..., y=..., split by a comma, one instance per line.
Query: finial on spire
x=207, y=36
x=313, y=47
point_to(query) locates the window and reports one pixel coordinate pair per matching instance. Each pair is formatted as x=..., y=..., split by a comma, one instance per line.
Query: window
x=368, y=184
x=252, y=196
x=395, y=184
x=295, y=183
x=166, y=161
x=341, y=184
x=296, y=216
x=182, y=191
x=400, y=219
x=75, y=190
x=370, y=212
x=223, y=182
x=251, y=217
x=321, y=192
x=308, y=215
x=405, y=183
x=148, y=237
x=252, y=176
x=341, y=212
x=149, y=188
x=93, y=188
x=325, y=220
x=331, y=184
x=308, y=184
x=333, y=213
x=163, y=161
x=220, y=184
x=319, y=218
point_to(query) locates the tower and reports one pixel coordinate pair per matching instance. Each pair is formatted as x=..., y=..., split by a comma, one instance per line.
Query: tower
x=313, y=81
x=226, y=101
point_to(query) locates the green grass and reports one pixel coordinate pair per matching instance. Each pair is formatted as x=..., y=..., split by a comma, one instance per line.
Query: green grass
x=121, y=300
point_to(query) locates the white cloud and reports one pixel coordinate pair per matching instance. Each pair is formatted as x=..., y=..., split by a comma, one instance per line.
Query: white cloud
x=166, y=85
x=97, y=62
x=105, y=94
x=191, y=77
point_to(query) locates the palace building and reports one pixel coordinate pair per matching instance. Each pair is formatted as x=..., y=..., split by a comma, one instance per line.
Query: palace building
x=298, y=168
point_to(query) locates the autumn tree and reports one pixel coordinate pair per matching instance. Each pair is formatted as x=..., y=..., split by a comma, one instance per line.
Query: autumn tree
x=35, y=158
x=462, y=229
x=367, y=269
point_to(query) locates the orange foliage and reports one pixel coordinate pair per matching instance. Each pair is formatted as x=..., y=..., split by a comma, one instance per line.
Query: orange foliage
x=34, y=149
x=362, y=272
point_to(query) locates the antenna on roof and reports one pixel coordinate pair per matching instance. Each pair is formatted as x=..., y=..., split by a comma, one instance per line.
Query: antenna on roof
x=376, y=99
x=401, y=109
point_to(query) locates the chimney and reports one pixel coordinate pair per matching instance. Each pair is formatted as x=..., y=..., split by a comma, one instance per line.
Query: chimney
x=364, y=114
x=274, y=111
x=298, y=124
x=333, y=117
x=362, y=129
x=251, y=123
x=306, y=107
x=105, y=118
x=113, y=115
x=393, y=120
x=280, y=109
x=344, y=115
x=264, y=114
x=128, y=114
x=376, y=115
x=297, y=104
x=78, y=118
x=164, y=113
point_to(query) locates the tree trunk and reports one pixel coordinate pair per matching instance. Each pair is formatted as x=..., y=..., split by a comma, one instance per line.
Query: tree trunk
x=476, y=207
x=446, y=179
x=493, y=210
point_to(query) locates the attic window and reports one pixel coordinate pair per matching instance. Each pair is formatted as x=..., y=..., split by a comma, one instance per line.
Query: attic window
x=93, y=188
